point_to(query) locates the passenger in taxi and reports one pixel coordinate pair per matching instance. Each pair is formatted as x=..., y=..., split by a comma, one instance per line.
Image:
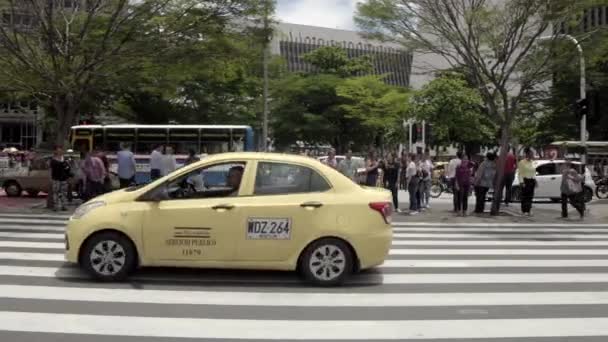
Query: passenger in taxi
x=233, y=180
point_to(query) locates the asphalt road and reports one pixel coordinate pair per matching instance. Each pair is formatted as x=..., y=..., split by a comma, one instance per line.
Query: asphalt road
x=442, y=282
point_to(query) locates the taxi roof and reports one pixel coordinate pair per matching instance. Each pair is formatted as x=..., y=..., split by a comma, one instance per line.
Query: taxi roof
x=263, y=156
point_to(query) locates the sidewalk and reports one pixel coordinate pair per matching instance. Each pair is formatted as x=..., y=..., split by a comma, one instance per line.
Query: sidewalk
x=543, y=212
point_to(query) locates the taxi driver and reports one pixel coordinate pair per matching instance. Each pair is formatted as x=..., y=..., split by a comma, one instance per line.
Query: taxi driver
x=233, y=179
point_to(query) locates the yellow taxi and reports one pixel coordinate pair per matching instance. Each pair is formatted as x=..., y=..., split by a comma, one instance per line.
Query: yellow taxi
x=237, y=210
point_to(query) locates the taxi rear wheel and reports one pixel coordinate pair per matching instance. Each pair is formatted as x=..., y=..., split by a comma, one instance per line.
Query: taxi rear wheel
x=108, y=256
x=326, y=262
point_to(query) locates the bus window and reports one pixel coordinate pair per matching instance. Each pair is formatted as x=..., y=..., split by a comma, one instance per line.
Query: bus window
x=116, y=136
x=149, y=138
x=183, y=139
x=215, y=140
x=238, y=140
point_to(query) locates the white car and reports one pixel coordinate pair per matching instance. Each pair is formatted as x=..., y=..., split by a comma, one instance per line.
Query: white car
x=549, y=178
x=359, y=160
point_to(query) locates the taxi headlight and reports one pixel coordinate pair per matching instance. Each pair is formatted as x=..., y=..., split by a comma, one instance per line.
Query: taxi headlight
x=87, y=208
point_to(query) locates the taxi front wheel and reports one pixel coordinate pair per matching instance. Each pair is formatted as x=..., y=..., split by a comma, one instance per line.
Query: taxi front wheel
x=108, y=256
x=326, y=262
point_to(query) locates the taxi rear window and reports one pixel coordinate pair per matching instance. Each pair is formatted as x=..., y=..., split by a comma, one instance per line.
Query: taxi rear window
x=282, y=178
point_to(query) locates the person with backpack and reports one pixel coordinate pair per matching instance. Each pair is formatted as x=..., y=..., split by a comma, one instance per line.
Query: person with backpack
x=572, y=190
x=484, y=180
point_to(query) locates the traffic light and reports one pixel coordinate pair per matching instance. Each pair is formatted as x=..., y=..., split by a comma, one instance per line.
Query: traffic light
x=582, y=108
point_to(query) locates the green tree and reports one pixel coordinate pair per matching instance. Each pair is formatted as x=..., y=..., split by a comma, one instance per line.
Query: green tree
x=67, y=57
x=494, y=42
x=455, y=111
x=334, y=60
x=377, y=106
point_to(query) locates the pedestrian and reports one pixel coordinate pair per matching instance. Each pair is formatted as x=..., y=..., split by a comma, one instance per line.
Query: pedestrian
x=462, y=184
x=427, y=181
x=402, y=175
x=192, y=158
x=107, y=181
x=168, y=162
x=126, y=166
x=348, y=166
x=572, y=190
x=451, y=176
x=484, y=181
x=61, y=172
x=95, y=173
x=413, y=186
x=371, y=169
x=331, y=160
x=155, y=162
x=391, y=176
x=509, y=176
x=527, y=181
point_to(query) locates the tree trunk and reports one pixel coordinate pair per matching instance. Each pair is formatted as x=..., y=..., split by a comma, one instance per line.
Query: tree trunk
x=505, y=135
x=65, y=109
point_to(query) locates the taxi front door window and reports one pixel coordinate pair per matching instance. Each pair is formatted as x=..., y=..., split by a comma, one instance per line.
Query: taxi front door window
x=221, y=180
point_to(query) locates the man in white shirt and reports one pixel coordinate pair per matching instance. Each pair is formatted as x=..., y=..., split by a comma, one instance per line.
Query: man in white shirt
x=451, y=175
x=126, y=166
x=156, y=158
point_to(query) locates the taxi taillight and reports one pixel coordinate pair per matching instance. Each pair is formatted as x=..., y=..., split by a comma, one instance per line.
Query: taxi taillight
x=384, y=208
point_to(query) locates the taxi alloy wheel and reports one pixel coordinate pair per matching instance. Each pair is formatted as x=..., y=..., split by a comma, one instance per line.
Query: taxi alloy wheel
x=109, y=256
x=327, y=262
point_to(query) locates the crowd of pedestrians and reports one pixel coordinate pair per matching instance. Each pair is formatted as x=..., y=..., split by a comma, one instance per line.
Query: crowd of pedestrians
x=465, y=177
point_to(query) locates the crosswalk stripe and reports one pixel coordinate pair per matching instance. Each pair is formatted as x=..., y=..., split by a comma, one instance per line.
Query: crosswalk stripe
x=458, y=224
x=450, y=263
x=582, y=251
x=37, y=216
x=32, y=222
x=530, y=236
x=27, y=244
x=299, y=299
x=32, y=256
x=500, y=243
x=443, y=278
x=207, y=328
x=493, y=230
x=34, y=228
x=53, y=236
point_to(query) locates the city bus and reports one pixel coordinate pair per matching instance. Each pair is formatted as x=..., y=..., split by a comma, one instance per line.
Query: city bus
x=202, y=139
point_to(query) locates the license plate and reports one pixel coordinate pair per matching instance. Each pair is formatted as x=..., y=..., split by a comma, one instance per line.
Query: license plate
x=268, y=229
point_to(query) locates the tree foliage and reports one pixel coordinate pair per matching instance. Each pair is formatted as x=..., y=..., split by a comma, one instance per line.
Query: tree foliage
x=455, y=111
x=495, y=42
x=334, y=106
x=68, y=57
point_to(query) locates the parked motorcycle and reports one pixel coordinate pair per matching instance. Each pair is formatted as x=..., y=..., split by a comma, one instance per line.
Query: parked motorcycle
x=601, y=187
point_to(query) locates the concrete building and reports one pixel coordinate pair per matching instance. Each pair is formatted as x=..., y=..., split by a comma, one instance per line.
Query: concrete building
x=293, y=41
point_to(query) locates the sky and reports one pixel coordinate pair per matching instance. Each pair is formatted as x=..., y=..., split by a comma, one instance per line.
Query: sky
x=325, y=13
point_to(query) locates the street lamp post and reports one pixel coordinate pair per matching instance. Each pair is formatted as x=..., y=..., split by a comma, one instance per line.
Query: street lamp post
x=583, y=92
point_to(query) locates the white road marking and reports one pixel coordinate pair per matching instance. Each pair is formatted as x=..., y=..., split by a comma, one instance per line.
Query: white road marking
x=33, y=221
x=490, y=243
x=27, y=244
x=53, y=236
x=582, y=251
x=299, y=299
x=32, y=256
x=486, y=235
x=450, y=263
x=493, y=230
x=547, y=225
x=201, y=328
x=32, y=227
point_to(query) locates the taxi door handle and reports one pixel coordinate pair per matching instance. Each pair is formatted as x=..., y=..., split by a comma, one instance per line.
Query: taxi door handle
x=223, y=207
x=311, y=205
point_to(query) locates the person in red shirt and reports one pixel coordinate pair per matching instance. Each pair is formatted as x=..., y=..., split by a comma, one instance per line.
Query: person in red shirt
x=510, y=168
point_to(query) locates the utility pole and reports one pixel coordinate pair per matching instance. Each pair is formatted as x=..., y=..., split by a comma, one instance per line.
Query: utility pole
x=266, y=46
